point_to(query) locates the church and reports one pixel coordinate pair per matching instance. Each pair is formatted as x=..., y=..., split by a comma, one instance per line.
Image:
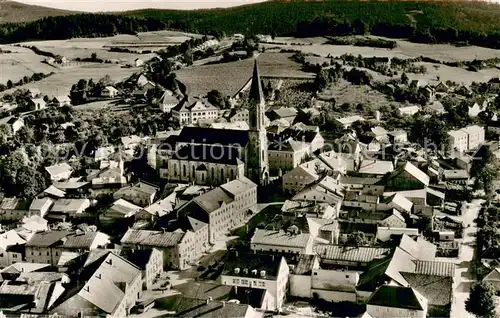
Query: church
x=208, y=156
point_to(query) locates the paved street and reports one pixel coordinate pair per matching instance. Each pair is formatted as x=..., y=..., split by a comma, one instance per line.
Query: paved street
x=464, y=277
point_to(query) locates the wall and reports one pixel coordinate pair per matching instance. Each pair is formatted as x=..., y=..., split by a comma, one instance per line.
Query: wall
x=153, y=268
x=300, y=286
x=382, y=312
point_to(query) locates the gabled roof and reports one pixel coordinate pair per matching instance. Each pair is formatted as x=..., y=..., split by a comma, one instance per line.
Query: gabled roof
x=47, y=239
x=238, y=186
x=412, y=170
x=195, y=224
x=124, y=207
x=435, y=268
x=397, y=297
x=351, y=253
x=10, y=238
x=400, y=201
x=280, y=238
x=152, y=238
x=59, y=168
x=212, y=200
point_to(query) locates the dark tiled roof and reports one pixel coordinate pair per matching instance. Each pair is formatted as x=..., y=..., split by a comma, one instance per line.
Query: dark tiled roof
x=350, y=253
x=208, y=153
x=437, y=289
x=203, y=290
x=211, y=136
x=80, y=240
x=435, y=268
x=140, y=258
x=256, y=94
x=395, y=297
x=152, y=238
x=304, y=265
x=46, y=239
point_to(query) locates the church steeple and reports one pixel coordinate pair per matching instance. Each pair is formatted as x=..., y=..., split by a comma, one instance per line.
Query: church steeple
x=256, y=94
x=256, y=101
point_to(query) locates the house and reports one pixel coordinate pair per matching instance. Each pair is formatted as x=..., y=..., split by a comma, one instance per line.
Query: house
x=13, y=209
x=264, y=275
x=59, y=172
x=63, y=208
x=41, y=206
x=478, y=107
x=398, y=136
x=34, y=92
x=493, y=278
x=301, y=176
x=73, y=186
x=467, y=138
x=37, y=104
x=110, y=286
x=194, y=307
x=138, y=62
x=408, y=110
x=31, y=225
x=369, y=143
x=288, y=241
x=285, y=113
x=396, y=301
x=158, y=209
x=464, y=90
x=456, y=176
x=178, y=247
x=110, y=174
x=140, y=193
x=61, y=101
x=308, y=209
x=189, y=111
x=150, y=262
x=16, y=123
x=405, y=177
x=441, y=87
x=103, y=153
x=11, y=248
x=168, y=101
x=47, y=247
x=301, y=274
x=222, y=208
x=109, y=92
x=325, y=190
x=346, y=122
x=119, y=210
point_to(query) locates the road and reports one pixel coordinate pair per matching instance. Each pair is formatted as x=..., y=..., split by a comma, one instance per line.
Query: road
x=464, y=276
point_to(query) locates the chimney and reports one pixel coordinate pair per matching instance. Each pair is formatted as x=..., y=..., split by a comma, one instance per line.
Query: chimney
x=209, y=299
x=223, y=304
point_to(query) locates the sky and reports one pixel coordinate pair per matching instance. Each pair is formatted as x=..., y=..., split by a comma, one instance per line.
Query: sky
x=123, y=5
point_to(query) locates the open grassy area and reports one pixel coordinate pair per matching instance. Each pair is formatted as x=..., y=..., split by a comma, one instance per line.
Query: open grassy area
x=61, y=82
x=404, y=49
x=230, y=77
x=13, y=66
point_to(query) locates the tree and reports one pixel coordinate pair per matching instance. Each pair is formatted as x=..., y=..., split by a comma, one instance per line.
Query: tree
x=405, y=79
x=9, y=84
x=93, y=56
x=484, y=170
x=217, y=99
x=357, y=239
x=481, y=301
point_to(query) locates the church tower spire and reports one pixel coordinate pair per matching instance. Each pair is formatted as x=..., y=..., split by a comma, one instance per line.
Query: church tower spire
x=256, y=101
x=257, y=156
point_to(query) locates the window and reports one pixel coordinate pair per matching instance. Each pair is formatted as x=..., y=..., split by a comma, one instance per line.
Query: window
x=184, y=170
x=193, y=171
x=222, y=174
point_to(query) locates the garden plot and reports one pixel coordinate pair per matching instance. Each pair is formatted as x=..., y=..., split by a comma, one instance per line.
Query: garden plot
x=61, y=82
x=14, y=66
x=454, y=74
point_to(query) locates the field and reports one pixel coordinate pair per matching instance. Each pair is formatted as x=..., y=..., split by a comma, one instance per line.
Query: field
x=454, y=74
x=405, y=49
x=229, y=78
x=345, y=92
x=84, y=47
x=61, y=82
x=13, y=66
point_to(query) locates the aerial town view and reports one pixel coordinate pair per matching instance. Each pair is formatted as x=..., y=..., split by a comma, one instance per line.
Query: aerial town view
x=281, y=158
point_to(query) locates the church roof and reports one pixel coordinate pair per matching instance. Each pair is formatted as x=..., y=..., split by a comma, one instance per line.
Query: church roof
x=256, y=93
x=208, y=153
x=211, y=136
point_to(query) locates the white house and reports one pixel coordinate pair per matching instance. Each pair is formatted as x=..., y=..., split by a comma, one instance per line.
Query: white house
x=37, y=104
x=138, y=62
x=109, y=92
x=408, y=110
x=16, y=124
x=493, y=278
x=168, y=101
x=258, y=272
x=11, y=248
x=61, y=101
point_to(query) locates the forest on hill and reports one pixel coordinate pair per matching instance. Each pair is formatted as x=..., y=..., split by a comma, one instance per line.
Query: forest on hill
x=428, y=22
